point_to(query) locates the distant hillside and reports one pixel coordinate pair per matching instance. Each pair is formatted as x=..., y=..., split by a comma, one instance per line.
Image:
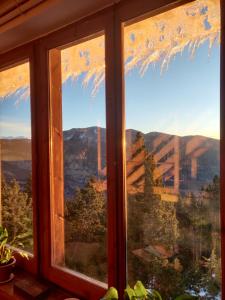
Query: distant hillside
x=16, y=158
x=15, y=149
x=198, y=159
x=81, y=155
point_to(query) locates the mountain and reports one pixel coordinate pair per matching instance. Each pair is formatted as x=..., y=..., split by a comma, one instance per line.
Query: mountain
x=13, y=138
x=81, y=155
x=190, y=161
x=16, y=158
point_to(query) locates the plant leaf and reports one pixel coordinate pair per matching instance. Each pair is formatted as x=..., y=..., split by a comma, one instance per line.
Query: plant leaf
x=130, y=293
x=154, y=295
x=24, y=254
x=140, y=290
x=111, y=294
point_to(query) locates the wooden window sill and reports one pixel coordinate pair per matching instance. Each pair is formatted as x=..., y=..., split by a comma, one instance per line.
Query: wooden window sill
x=9, y=292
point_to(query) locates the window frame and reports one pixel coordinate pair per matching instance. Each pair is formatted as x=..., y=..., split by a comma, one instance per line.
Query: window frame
x=40, y=52
x=13, y=59
x=222, y=144
x=88, y=288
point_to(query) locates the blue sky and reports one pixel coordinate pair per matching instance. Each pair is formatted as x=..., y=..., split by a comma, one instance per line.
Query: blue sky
x=15, y=117
x=80, y=108
x=184, y=100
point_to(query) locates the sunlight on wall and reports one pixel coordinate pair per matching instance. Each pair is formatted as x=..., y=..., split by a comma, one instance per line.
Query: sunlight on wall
x=154, y=40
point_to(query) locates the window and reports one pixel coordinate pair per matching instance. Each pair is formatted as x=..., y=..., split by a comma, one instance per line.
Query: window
x=16, y=155
x=80, y=240
x=173, y=151
x=124, y=149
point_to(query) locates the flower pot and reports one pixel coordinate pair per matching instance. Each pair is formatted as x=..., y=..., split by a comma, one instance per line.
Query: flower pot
x=6, y=271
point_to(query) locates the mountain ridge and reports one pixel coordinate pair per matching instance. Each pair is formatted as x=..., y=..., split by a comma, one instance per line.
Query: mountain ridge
x=85, y=156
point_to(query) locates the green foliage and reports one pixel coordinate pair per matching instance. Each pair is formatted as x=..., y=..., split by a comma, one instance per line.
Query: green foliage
x=186, y=297
x=6, y=250
x=111, y=294
x=17, y=218
x=187, y=233
x=154, y=295
x=139, y=292
x=158, y=214
x=17, y=212
x=85, y=227
x=148, y=220
x=86, y=214
x=199, y=240
x=129, y=293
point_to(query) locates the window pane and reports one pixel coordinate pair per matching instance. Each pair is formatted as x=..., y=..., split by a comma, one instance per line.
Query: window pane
x=16, y=156
x=172, y=141
x=84, y=148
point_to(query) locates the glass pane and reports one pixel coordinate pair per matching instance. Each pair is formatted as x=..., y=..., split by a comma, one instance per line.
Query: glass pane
x=84, y=144
x=16, y=156
x=172, y=64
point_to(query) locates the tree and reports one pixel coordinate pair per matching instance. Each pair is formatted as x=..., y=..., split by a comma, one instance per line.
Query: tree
x=28, y=187
x=17, y=213
x=199, y=242
x=160, y=225
x=86, y=226
x=151, y=222
x=86, y=214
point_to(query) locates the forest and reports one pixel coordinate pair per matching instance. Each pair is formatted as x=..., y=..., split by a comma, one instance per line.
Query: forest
x=173, y=247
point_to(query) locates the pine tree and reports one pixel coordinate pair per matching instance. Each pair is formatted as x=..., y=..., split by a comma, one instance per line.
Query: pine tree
x=17, y=213
x=86, y=224
x=160, y=225
x=86, y=214
x=28, y=187
x=152, y=222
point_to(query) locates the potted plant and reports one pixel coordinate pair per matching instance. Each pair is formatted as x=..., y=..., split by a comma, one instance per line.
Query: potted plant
x=139, y=292
x=7, y=259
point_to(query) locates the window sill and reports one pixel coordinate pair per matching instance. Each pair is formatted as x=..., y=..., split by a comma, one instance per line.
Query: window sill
x=8, y=292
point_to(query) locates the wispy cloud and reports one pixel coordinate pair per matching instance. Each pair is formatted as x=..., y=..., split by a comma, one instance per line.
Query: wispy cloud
x=15, y=81
x=15, y=129
x=154, y=40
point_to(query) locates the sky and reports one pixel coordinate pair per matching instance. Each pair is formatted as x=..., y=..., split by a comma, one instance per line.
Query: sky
x=183, y=100
x=15, y=117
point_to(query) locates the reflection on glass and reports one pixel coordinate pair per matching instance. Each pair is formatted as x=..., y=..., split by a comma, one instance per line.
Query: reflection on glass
x=172, y=143
x=84, y=146
x=15, y=154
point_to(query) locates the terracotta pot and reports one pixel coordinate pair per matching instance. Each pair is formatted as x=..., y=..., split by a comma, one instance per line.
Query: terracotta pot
x=6, y=270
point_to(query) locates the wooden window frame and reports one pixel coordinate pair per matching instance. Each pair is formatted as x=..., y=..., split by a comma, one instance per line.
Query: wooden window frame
x=111, y=22
x=9, y=60
x=43, y=55
x=222, y=144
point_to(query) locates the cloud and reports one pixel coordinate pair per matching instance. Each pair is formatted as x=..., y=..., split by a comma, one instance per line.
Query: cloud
x=15, y=129
x=154, y=40
x=15, y=80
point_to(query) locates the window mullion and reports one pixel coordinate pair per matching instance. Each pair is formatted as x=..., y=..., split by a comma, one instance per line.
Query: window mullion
x=116, y=154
